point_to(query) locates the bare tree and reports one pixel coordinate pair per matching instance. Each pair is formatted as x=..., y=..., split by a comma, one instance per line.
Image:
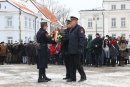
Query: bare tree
x=60, y=11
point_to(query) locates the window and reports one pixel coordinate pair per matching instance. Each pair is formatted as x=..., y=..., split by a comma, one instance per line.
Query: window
x=113, y=7
x=9, y=22
x=26, y=23
x=123, y=35
x=33, y=24
x=123, y=6
x=113, y=22
x=10, y=40
x=29, y=23
x=113, y=35
x=90, y=25
x=123, y=22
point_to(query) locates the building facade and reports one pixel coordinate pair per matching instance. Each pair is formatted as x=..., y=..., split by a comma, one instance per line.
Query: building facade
x=113, y=19
x=20, y=21
x=17, y=22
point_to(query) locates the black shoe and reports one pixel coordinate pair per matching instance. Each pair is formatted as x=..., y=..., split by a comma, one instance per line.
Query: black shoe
x=65, y=78
x=69, y=80
x=48, y=79
x=42, y=80
x=81, y=80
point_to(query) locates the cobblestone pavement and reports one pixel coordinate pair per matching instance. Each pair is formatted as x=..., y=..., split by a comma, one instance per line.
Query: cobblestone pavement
x=21, y=75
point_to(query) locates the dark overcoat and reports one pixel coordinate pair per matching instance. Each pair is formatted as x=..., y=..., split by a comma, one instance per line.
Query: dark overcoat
x=43, y=40
x=97, y=41
x=76, y=39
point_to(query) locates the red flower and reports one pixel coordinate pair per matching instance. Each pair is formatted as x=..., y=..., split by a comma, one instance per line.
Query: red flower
x=58, y=30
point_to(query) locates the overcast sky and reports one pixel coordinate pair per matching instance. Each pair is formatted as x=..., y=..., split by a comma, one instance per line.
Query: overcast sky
x=77, y=5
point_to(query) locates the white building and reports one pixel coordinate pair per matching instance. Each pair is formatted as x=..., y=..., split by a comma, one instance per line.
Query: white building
x=113, y=19
x=17, y=22
x=21, y=21
x=44, y=14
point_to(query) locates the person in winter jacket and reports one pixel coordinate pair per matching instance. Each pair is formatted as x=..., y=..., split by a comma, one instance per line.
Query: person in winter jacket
x=106, y=48
x=3, y=52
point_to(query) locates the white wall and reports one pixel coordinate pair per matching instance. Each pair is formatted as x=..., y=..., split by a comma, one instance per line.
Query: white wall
x=6, y=6
x=13, y=31
x=108, y=15
x=107, y=5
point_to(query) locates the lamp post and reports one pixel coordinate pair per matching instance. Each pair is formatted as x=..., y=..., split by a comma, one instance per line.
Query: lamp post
x=103, y=22
x=95, y=18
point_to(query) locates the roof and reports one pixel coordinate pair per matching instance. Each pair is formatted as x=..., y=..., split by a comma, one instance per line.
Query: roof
x=114, y=0
x=94, y=9
x=22, y=7
x=46, y=12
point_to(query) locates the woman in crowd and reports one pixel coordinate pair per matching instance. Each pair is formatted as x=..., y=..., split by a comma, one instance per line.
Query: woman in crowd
x=106, y=48
x=113, y=51
x=118, y=56
x=122, y=48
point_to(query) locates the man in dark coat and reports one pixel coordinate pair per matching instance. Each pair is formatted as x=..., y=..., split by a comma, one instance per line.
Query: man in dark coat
x=65, y=50
x=31, y=53
x=97, y=46
x=23, y=53
x=42, y=61
x=76, y=44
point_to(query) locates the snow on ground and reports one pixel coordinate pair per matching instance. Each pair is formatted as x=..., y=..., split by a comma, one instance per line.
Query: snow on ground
x=21, y=75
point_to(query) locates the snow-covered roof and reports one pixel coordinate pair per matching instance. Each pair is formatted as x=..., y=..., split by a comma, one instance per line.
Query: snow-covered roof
x=114, y=0
x=94, y=9
x=45, y=11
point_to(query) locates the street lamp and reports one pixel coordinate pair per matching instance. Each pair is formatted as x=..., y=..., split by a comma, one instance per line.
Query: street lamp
x=95, y=18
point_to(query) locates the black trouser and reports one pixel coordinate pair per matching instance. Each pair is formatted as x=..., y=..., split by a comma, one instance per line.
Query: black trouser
x=76, y=64
x=126, y=61
x=98, y=58
x=89, y=57
x=2, y=58
x=41, y=73
x=30, y=60
x=67, y=65
x=113, y=60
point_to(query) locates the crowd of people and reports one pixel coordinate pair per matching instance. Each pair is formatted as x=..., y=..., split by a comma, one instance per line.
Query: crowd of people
x=18, y=53
x=110, y=51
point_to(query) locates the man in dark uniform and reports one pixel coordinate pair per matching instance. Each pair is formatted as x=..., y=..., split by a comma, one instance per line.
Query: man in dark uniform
x=76, y=44
x=97, y=46
x=31, y=52
x=65, y=49
x=42, y=61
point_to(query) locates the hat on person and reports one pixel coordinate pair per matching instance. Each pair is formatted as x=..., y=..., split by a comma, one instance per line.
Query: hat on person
x=106, y=38
x=31, y=42
x=97, y=34
x=73, y=18
x=43, y=24
x=68, y=21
